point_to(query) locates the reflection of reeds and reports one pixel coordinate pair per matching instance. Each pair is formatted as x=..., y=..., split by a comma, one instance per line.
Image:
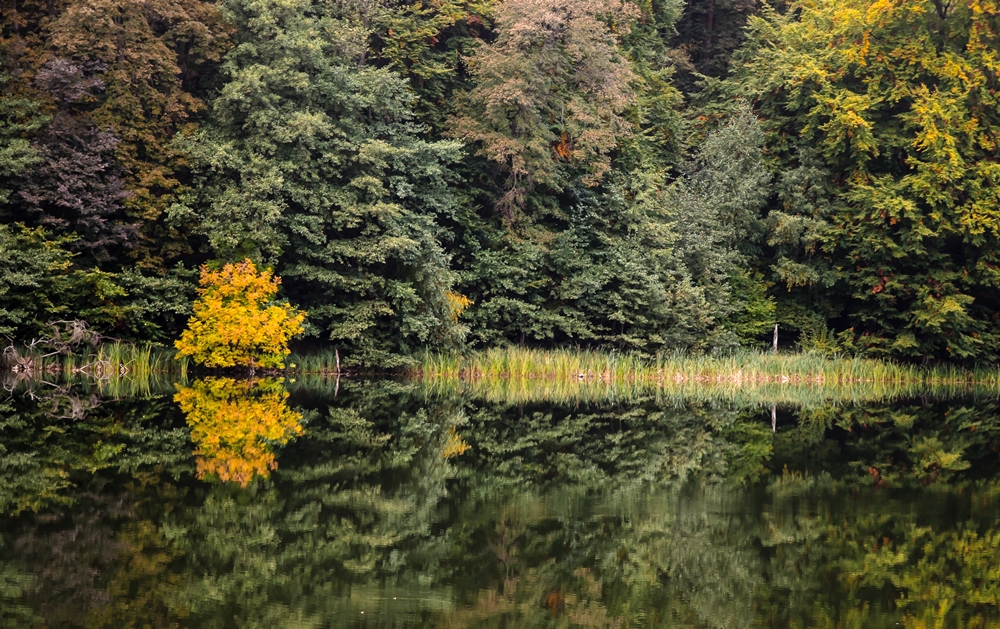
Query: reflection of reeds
x=524, y=391
x=524, y=375
x=113, y=369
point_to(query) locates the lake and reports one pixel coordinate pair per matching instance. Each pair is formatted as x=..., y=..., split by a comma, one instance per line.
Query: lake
x=388, y=503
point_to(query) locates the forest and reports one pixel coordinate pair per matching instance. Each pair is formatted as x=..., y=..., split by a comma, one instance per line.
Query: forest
x=651, y=176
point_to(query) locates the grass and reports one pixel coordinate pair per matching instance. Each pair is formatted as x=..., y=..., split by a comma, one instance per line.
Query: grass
x=137, y=361
x=518, y=375
x=745, y=395
x=323, y=361
x=526, y=375
x=738, y=368
x=116, y=369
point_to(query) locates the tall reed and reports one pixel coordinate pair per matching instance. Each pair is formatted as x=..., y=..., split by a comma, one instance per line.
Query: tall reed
x=117, y=369
x=323, y=361
x=798, y=378
x=802, y=394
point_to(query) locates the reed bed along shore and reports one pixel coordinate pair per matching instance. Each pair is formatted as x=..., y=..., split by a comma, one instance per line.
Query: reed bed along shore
x=116, y=369
x=518, y=375
x=744, y=395
x=320, y=362
x=736, y=368
x=744, y=377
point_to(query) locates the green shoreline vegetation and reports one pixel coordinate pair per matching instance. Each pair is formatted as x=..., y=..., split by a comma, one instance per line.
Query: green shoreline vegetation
x=737, y=368
x=100, y=362
x=114, y=369
x=522, y=374
x=518, y=374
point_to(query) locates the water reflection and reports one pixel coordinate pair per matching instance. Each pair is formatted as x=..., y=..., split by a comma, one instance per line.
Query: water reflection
x=235, y=425
x=395, y=506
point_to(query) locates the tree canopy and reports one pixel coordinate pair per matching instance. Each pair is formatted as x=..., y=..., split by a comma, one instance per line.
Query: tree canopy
x=237, y=321
x=632, y=175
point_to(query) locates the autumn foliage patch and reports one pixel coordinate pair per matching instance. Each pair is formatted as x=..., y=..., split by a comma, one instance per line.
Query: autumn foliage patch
x=237, y=322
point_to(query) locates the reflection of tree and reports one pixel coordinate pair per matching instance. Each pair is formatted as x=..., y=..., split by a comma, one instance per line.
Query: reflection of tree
x=235, y=423
x=442, y=512
x=44, y=457
x=910, y=443
x=940, y=559
x=629, y=444
x=314, y=540
x=102, y=565
x=879, y=559
x=593, y=555
x=72, y=564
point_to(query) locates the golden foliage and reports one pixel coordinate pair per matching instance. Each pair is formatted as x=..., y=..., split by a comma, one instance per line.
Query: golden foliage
x=235, y=423
x=236, y=321
x=455, y=445
x=458, y=303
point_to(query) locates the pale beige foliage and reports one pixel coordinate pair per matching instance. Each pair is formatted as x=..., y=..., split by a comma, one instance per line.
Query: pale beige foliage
x=550, y=92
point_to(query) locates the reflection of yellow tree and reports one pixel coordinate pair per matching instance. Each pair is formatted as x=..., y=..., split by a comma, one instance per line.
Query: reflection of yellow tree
x=454, y=445
x=234, y=423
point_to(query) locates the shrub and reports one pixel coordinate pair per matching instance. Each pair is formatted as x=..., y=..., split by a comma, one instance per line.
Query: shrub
x=237, y=322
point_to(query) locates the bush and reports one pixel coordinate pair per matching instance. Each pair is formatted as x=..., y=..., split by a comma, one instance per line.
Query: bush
x=237, y=322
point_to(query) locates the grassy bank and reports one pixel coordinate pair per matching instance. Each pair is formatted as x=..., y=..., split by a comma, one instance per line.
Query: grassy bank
x=115, y=368
x=517, y=374
x=737, y=368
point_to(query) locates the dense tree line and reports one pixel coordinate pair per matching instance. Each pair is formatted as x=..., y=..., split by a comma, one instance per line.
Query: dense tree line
x=645, y=176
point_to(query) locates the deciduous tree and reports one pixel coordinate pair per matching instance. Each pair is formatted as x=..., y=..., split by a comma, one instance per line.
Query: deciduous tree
x=76, y=186
x=898, y=102
x=237, y=321
x=313, y=161
x=155, y=58
x=549, y=93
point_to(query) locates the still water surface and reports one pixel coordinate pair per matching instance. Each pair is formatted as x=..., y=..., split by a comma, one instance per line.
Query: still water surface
x=383, y=504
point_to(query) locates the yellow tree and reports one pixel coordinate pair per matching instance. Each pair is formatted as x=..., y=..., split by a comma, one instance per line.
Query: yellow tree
x=237, y=321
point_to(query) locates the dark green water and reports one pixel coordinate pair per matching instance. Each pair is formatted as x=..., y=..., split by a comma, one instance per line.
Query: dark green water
x=387, y=506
